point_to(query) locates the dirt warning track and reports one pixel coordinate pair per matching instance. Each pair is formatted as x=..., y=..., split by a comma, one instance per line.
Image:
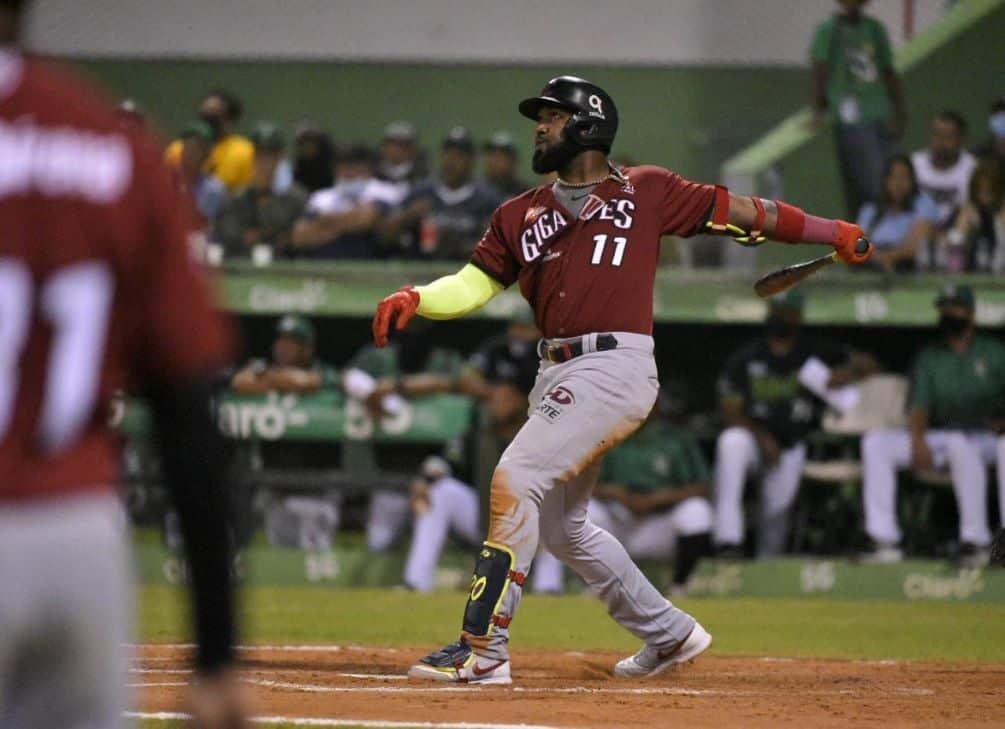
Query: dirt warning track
x=571, y=689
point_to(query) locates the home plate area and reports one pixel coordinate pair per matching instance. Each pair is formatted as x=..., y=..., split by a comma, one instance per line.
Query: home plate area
x=327, y=685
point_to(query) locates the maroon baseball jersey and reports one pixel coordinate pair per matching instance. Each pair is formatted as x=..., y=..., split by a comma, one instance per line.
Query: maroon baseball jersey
x=593, y=272
x=97, y=290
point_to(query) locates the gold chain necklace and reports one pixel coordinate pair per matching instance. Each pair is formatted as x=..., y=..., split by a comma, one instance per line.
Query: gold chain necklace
x=611, y=172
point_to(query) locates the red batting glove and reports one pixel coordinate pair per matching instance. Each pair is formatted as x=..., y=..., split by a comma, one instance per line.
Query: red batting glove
x=851, y=245
x=399, y=307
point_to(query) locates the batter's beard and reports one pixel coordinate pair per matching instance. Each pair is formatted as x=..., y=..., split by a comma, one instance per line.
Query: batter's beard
x=554, y=157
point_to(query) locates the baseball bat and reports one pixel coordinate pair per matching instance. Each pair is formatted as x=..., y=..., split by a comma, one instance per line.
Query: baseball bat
x=785, y=278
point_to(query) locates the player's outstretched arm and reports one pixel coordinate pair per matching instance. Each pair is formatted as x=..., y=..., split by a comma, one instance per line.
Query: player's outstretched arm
x=786, y=223
x=449, y=297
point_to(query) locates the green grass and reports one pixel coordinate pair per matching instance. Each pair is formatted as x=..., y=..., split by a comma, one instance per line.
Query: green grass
x=928, y=631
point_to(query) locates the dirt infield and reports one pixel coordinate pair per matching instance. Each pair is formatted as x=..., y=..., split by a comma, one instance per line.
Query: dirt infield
x=563, y=689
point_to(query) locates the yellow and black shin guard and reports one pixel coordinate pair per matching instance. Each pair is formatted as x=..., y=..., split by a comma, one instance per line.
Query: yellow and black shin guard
x=489, y=584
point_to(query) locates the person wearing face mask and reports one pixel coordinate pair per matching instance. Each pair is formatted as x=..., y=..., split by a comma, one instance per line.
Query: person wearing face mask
x=232, y=157
x=341, y=222
x=955, y=404
x=768, y=412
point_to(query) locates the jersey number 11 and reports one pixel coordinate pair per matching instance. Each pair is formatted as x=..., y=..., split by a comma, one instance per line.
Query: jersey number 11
x=600, y=242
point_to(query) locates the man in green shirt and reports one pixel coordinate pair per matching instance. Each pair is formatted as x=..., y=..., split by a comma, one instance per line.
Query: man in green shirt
x=856, y=87
x=652, y=495
x=293, y=367
x=957, y=390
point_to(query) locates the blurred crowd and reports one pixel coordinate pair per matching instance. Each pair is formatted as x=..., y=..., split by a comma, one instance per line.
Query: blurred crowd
x=939, y=208
x=268, y=196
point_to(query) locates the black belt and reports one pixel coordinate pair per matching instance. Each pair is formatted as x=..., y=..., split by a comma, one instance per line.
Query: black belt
x=569, y=350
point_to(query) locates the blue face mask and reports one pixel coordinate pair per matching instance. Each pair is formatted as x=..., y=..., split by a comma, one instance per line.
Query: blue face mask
x=997, y=124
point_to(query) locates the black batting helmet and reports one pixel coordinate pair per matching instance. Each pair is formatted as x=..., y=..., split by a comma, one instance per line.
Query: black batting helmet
x=594, y=120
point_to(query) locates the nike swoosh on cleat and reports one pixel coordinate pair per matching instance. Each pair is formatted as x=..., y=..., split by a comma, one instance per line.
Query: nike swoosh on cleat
x=478, y=671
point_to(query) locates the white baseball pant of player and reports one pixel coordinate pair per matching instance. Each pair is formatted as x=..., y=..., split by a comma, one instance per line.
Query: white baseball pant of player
x=65, y=612
x=653, y=536
x=579, y=410
x=887, y=450
x=736, y=457
x=453, y=506
x=388, y=515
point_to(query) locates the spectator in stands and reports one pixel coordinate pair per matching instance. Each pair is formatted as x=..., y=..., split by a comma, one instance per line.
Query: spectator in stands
x=901, y=221
x=341, y=222
x=957, y=388
x=771, y=395
x=313, y=158
x=653, y=496
x=293, y=367
x=258, y=214
x=232, y=156
x=856, y=86
x=445, y=217
x=207, y=192
x=977, y=240
x=944, y=168
x=994, y=146
x=500, y=156
x=402, y=163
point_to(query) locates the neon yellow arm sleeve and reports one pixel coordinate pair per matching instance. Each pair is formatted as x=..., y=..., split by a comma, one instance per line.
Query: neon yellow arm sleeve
x=458, y=294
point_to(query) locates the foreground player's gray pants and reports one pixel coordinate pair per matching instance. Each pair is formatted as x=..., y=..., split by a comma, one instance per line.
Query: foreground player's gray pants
x=65, y=609
x=579, y=410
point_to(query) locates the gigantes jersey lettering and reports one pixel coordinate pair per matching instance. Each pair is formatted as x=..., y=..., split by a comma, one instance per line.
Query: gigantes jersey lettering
x=593, y=272
x=97, y=290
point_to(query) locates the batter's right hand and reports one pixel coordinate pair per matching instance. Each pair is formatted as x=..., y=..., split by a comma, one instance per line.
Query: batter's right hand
x=399, y=307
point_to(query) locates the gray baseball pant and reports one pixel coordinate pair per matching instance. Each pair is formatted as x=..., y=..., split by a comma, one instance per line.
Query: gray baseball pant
x=65, y=610
x=541, y=488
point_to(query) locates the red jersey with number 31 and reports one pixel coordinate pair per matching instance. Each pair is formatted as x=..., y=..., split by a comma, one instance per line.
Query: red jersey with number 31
x=97, y=289
x=593, y=272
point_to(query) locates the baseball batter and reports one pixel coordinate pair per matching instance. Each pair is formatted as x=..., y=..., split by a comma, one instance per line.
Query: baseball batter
x=584, y=252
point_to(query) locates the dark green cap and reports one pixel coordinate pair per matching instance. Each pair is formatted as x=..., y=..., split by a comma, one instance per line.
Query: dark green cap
x=297, y=327
x=791, y=299
x=267, y=135
x=198, y=128
x=502, y=141
x=956, y=295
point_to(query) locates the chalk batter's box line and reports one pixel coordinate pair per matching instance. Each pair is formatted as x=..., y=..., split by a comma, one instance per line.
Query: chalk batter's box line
x=298, y=721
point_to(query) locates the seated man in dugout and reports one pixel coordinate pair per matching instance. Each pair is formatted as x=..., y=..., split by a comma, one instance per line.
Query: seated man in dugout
x=955, y=418
x=293, y=366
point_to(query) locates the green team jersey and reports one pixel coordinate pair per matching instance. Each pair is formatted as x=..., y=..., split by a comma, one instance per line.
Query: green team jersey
x=329, y=375
x=959, y=390
x=656, y=457
x=383, y=362
x=856, y=56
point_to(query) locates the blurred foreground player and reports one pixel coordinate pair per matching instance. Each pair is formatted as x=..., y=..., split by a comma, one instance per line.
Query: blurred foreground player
x=584, y=251
x=96, y=292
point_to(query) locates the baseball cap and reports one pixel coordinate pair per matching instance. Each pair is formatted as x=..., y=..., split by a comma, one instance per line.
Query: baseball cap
x=956, y=295
x=267, y=135
x=791, y=299
x=502, y=141
x=400, y=131
x=459, y=138
x=434, y=467
x=197, y=128
x=297, y=327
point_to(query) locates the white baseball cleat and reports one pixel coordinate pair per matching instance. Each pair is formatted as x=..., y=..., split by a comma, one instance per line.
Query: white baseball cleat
x=457, y=663
x=650, y=661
